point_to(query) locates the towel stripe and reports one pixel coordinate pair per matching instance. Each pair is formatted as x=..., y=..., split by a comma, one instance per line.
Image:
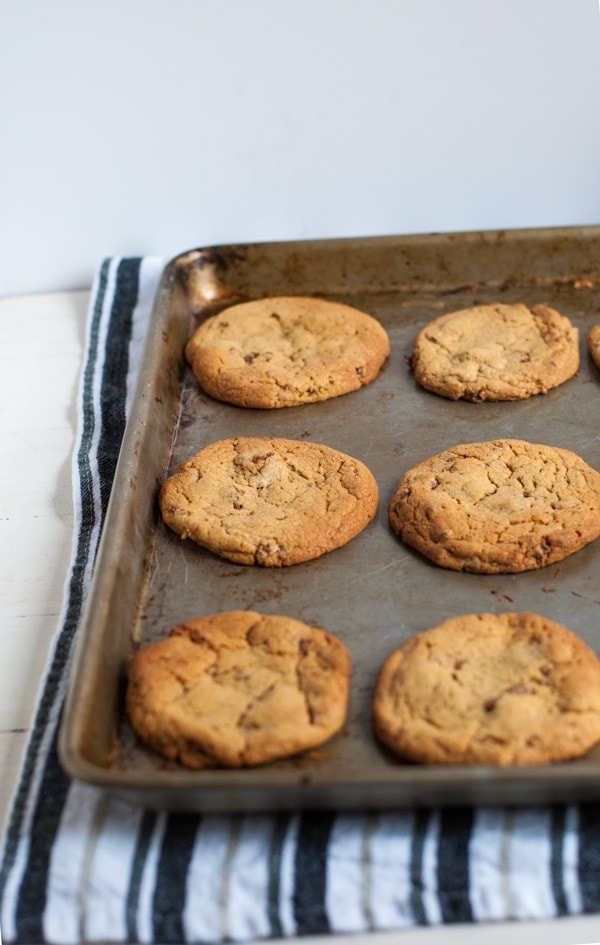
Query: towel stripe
x=32, y=895
x=346, y=890
x=453, y=864
x=431, y=896
x=311, y=873
x=416, y=868
x=390, y=864
x=589, y=856
x=112, y=852
x=557, y=834
x=570, y=861
x=147, y=887
x=114, y=374
x=287, y=877
x=144, y=838
x=170, y=889
x=247, y=889
x=280, y=829
x=205, y=914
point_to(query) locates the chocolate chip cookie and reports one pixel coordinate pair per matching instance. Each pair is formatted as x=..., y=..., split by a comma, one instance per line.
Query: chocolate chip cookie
x=499, y=689
x=498, y=506
x=285, y=351
x=269, y=501
x=237, y=689
x=496, y=352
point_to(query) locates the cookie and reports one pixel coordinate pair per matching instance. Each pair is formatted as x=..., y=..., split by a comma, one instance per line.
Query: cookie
x=237, y=689
x=494, y=689
x=281, y=352
x=496, y=352
x=269, y=501
x=593, y=344
x=497, y=506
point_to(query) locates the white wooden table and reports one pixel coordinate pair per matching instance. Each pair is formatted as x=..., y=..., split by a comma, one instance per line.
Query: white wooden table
x=42, y=341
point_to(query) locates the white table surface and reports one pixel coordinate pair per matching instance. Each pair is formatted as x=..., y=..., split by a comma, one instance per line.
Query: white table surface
x=41, y=350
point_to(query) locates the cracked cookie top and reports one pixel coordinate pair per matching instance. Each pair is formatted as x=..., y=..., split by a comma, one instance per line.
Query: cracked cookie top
x=269, y=501
x=511, y=688
x=285, y=351
x=497, y=506
x=496, y=352
x=237, y=689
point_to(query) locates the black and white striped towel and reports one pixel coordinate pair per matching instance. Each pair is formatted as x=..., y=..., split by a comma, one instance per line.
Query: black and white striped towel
x=80, y=867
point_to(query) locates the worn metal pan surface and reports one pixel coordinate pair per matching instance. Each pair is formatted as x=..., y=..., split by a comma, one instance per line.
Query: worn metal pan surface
x=374, y=592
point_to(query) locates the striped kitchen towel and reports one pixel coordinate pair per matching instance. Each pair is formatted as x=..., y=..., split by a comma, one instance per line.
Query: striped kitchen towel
x=78, y=866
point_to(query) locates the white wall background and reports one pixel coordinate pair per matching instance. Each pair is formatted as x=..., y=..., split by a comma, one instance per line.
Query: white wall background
x=153, y=126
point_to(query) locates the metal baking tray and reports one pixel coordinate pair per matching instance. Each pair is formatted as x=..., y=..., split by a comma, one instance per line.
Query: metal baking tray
x=373, y=593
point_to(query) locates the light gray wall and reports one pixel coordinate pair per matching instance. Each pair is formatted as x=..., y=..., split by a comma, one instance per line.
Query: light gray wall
x=153, y=126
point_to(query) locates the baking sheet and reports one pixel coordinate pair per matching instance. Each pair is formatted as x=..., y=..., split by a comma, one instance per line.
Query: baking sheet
x=373, y=593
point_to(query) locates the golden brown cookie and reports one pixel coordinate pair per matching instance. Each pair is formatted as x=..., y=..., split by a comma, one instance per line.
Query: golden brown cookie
x=238, y=688
x=593, y=344
x=489, y=689
x=497, y=506
x=496, y=352
x=281, y=352
x=269, y=501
